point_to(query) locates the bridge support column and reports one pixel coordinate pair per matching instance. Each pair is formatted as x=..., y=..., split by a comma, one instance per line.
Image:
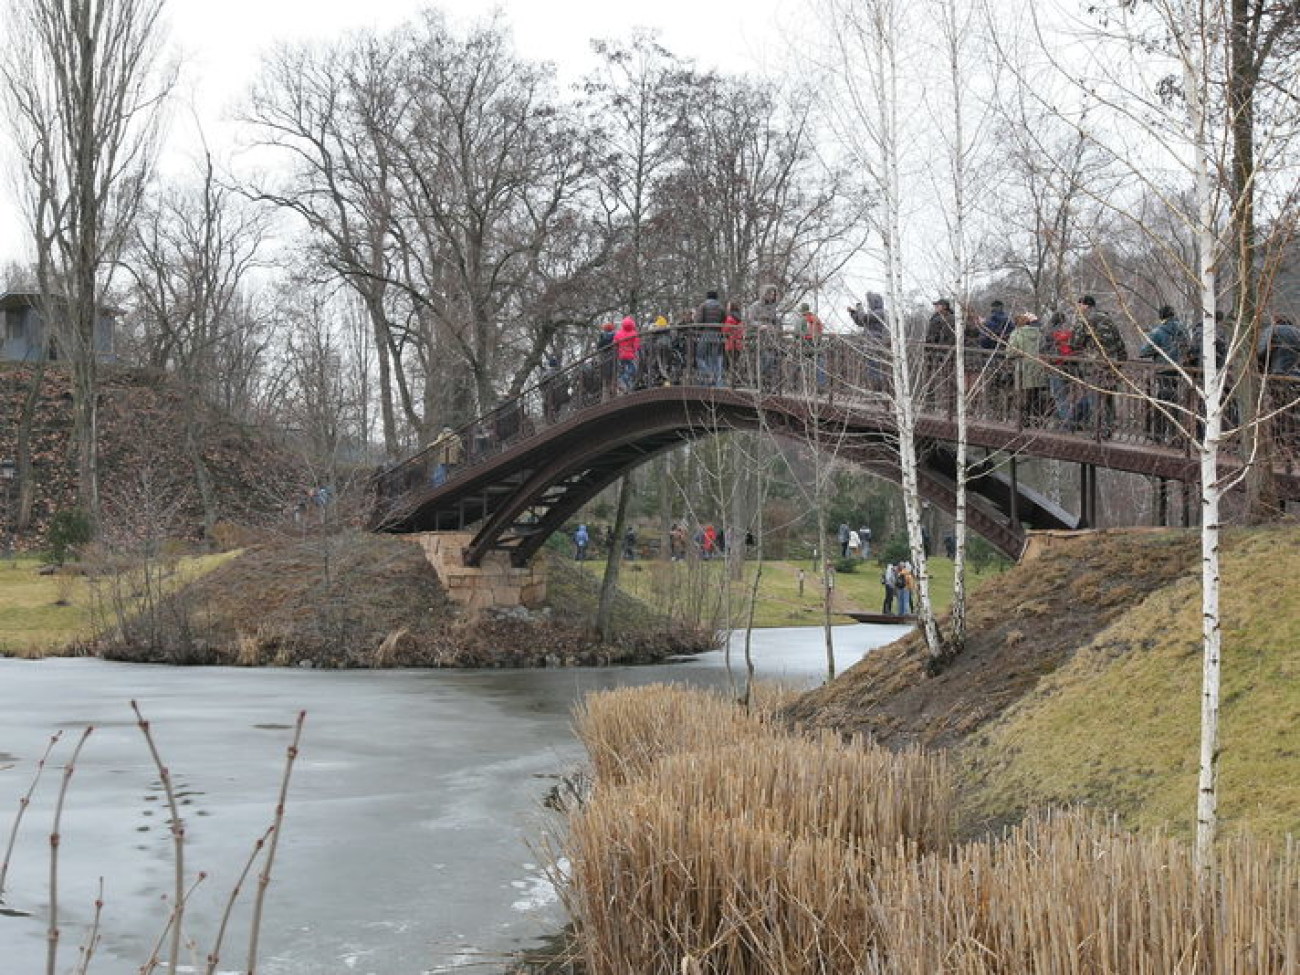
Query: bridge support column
x=494, y=584
x=1162, y=501
x=1015, y=496
x=1087, y=496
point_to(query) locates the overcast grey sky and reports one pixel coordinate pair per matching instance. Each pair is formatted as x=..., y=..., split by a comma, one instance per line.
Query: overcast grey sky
x=221, y=45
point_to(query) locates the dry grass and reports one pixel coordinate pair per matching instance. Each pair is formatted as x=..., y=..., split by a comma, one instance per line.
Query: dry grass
x=715, y=842
x=1117, y=726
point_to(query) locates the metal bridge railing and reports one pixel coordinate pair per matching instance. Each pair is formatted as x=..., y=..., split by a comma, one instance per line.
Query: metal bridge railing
x=1084, y=397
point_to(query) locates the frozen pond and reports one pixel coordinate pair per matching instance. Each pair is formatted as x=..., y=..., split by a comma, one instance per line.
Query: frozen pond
x=409, y=843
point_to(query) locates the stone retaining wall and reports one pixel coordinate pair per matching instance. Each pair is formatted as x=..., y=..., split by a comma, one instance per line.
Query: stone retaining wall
x=495, y=584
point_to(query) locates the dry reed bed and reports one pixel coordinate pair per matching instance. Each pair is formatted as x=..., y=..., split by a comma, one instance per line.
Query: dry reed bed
x=715, y=842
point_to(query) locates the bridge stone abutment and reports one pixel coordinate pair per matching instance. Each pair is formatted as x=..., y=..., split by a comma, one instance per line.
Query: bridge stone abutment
x=494, y=584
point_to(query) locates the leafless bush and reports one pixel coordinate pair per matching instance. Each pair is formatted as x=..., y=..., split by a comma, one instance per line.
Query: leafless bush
x=169, y=942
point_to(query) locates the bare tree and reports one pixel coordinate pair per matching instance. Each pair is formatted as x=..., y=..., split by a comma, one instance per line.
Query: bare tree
x=189, y=256
x=84, y=103
x=330, y=114
x=488, y=164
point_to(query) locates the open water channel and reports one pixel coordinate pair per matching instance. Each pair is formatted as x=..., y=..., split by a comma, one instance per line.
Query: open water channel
x=411, y=840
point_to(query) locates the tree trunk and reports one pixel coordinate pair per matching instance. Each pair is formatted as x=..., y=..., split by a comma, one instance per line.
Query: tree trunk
x=202, y=476
x=1243, y=80
x=1196, y=85
x=23, y=461
x=609, y=584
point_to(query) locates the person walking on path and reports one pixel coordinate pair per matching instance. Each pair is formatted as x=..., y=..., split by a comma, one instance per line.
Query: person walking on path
x=842, y=536
x=855, y=544
x=581, y=539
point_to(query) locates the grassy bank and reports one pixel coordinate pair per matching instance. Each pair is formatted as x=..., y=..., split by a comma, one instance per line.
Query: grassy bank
x=39, y=614
x=350, y=599
x=697, y=589
x=717, y=842
x=44, y=614
x=1080, y=684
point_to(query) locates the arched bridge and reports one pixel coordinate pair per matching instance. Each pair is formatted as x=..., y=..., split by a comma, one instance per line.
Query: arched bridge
x=523, y=470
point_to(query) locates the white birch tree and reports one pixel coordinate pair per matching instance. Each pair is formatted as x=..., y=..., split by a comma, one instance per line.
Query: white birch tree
x=870, y=37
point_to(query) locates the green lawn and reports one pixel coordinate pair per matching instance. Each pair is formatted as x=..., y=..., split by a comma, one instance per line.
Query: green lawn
x=41, y=614
x=673, y=585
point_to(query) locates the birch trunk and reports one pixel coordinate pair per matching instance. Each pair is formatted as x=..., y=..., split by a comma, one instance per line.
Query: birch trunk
x=1195, y=83
x=954, y=34
x=885, y=69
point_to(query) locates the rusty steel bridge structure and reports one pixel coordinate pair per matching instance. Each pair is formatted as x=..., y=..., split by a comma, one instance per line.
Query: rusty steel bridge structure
x=529, y=465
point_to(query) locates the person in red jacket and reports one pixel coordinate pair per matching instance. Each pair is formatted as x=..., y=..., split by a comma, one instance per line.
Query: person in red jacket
x=733, y=343
x=627, y=342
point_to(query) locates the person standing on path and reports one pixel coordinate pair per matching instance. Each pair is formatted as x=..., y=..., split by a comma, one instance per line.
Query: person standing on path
x=906, y=588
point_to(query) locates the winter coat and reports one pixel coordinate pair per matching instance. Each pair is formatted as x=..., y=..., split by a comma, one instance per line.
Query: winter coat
x=1025, y=343
x=941, y=329
x=1166, y=343
x=733, y=334
x=627, y=340
x=1099, y=336
x=995, y=330
x=711, y=312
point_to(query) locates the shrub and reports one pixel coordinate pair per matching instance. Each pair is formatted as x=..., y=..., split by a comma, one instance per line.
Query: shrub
x=69, y=530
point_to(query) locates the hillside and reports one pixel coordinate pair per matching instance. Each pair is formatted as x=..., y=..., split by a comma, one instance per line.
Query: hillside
x=142, y=462
x=1081, y=684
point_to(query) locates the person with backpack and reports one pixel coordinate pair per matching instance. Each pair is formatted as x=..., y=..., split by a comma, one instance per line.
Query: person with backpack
x=1059, y=354
x=1167, y=346
x=1097, y=338
x=581, y=539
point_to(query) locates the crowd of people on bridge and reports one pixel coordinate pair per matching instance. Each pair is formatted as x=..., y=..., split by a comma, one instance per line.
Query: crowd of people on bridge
x=1064, y=371
x=705, y=345
x=1059, y=371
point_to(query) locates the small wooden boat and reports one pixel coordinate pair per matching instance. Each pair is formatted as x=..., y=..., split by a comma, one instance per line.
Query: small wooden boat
x=879, y=618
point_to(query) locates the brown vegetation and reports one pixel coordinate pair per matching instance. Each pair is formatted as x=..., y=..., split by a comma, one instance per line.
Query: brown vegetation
x=141, y=451
x=354, y=599
x=744, y=848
